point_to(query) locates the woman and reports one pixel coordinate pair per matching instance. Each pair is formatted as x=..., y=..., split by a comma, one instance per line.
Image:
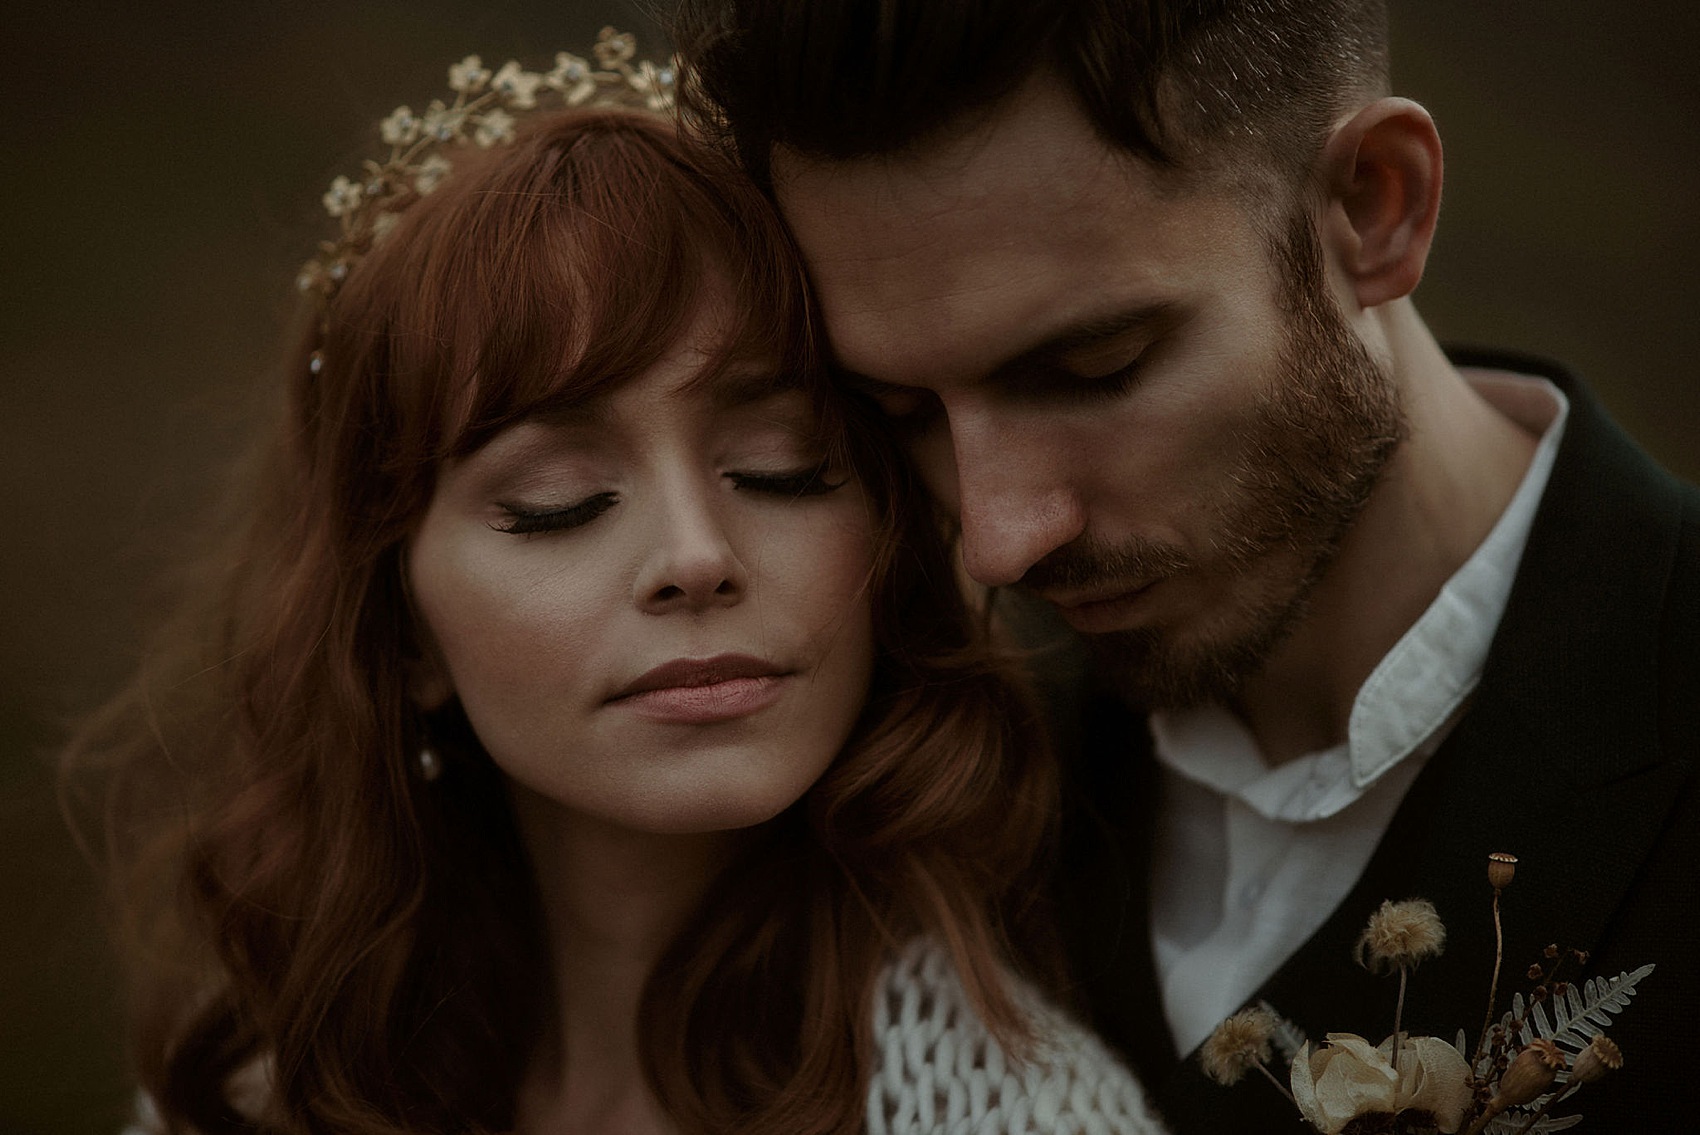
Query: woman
x=584, y=732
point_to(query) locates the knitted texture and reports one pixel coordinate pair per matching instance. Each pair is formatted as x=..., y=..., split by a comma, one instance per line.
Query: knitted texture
x=941, y=1072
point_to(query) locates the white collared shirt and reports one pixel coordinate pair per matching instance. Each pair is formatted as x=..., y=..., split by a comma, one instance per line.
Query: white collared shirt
x=1251, y=860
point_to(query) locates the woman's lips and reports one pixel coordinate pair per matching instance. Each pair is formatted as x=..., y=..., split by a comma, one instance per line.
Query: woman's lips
x=702, y=705
x=700, y=691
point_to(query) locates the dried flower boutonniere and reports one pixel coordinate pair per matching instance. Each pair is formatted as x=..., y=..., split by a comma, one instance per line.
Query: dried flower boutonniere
x=1537, y=1057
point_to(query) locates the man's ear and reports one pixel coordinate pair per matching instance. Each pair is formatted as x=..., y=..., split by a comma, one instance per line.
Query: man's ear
x=1381, y=174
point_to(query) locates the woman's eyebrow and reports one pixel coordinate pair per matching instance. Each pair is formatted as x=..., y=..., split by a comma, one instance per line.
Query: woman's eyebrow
x=570, y=412
x=742, y=388
x=541, y=427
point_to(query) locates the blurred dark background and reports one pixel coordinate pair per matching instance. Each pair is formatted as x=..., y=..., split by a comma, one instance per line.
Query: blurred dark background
x=159, y=180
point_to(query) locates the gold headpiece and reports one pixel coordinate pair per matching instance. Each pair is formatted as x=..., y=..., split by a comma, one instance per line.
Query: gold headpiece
x=483, y=111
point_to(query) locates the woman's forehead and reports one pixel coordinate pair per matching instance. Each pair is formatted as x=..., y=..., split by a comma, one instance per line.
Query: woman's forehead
x=708, y=390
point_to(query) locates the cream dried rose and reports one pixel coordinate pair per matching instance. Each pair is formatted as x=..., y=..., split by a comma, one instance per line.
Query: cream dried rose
x=1433, y=1077
x=1347, y=1078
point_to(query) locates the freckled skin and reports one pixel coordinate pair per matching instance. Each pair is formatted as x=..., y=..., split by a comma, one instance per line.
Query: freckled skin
x=536, y=632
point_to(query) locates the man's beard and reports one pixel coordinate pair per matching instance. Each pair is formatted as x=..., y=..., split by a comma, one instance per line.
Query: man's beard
x=1328, y=423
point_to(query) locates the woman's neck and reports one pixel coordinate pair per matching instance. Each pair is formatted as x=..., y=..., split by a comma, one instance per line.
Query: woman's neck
x=613, y=900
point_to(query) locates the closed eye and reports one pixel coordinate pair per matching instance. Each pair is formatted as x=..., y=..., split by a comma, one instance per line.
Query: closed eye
x=812, y=482
x=1062, y=384
x=525, y=522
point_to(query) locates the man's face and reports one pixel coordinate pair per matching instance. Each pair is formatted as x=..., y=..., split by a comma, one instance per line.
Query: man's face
x=1141, y=408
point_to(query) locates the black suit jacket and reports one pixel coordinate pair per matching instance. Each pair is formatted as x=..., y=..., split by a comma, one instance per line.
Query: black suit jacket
x=1576, y=754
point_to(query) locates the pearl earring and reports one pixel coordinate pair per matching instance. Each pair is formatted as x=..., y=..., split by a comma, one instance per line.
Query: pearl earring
x=430, y=764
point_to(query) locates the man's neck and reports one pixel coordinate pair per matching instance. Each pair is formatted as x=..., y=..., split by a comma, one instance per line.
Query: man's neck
x=1436, y=502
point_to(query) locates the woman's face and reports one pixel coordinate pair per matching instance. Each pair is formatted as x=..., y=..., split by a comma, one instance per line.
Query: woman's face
x=654, y=607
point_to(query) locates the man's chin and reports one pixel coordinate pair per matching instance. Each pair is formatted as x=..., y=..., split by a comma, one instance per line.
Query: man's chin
x=1161, y=668
x=1148, y=671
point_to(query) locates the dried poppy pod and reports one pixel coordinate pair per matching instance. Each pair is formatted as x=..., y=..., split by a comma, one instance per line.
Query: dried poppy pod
x=1530, y=1075
x=1601, y=1056
x=1502, y=868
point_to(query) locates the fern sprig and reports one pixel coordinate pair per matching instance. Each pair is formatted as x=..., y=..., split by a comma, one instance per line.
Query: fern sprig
x=1581, y=1014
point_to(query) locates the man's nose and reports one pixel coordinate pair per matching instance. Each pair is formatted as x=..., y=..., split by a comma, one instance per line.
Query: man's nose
x=691, y=562
x=1014, y=496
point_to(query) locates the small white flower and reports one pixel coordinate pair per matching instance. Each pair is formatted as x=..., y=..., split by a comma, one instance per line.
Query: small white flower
x=312, y=277
x=468, y=75
x=496, y=126
x=655, y=84
x=401, y=128
x=383, y=223
x=613, y=48
x=572, y=78
x=343, y=197
x=430, y=173
x=520, y=86
x=443, y=122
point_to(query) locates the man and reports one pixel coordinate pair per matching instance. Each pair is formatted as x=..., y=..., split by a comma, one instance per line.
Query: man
x=1135, y=277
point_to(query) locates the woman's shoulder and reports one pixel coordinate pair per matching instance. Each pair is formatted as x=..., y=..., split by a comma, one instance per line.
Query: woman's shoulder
x=941, y=1070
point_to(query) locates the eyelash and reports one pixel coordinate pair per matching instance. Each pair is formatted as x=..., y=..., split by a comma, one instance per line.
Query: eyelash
x=1101, y=387
x=809, y=482
x=1060, y=384
x=522, y=522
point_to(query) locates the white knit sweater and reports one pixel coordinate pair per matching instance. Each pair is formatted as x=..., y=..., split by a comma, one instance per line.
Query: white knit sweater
x=940, y=1070
x=942, y=1073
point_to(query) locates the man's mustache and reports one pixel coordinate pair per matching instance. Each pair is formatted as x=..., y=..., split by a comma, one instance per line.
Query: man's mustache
x=1087, y=563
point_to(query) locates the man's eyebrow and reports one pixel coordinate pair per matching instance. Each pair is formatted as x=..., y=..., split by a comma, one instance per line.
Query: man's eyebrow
x=1146, y=319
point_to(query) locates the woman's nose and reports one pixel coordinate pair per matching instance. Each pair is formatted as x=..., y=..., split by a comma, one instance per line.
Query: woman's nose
x=692, y=564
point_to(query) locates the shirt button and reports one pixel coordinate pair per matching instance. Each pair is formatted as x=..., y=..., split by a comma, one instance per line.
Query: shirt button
x=1251, y=892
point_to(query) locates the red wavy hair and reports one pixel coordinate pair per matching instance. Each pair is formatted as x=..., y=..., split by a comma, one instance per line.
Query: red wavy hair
x=289, y=889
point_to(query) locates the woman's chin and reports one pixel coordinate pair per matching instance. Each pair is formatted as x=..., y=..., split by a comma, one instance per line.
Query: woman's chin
x=718, y=807
x=677, y=801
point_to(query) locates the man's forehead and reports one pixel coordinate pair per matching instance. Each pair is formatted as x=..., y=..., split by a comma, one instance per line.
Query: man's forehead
x=946, y=260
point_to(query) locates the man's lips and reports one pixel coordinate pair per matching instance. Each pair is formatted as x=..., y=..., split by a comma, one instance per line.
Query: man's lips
x=690, y=673
x=1099, y=610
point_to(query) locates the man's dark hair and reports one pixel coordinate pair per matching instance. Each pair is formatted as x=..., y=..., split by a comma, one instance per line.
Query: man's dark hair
x=1183, y=84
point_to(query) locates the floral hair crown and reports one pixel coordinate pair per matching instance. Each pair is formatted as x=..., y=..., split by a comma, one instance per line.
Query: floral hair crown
x=483, y=111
